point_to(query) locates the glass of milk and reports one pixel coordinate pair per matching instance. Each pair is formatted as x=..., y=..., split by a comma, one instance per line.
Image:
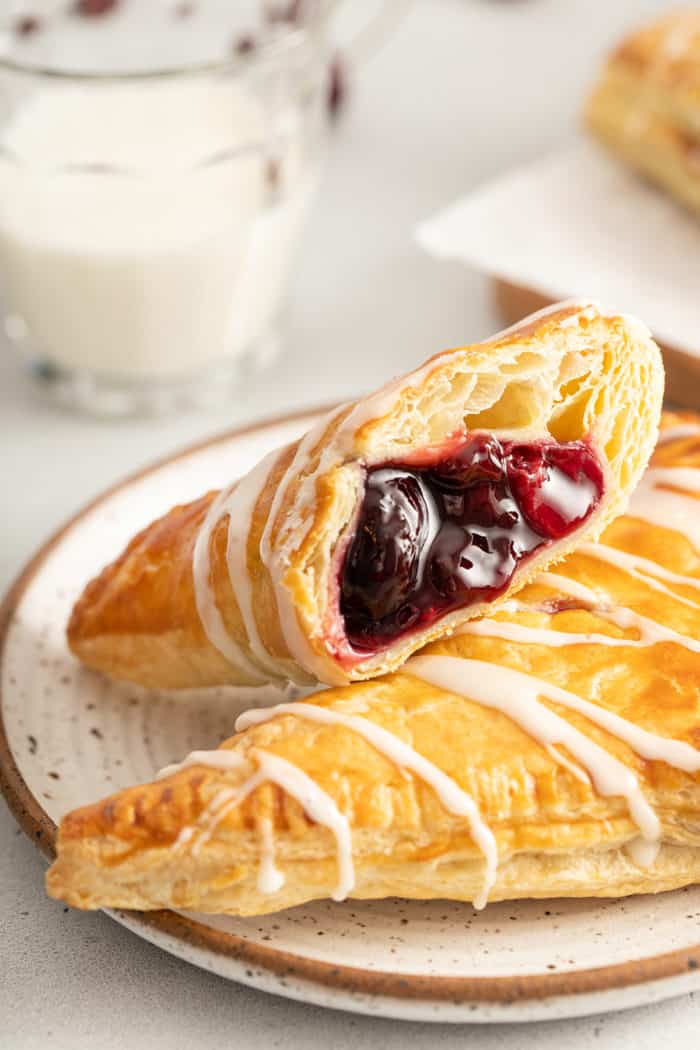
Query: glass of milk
x=157, y=160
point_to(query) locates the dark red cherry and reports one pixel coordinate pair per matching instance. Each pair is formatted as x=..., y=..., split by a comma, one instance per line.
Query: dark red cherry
x=554, y=485
x=430, y=540
x=481, y=459
x=382, y=566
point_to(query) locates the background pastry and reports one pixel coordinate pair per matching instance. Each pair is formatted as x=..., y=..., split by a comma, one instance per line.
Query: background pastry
x=646, y=105
x=393, y=520
x=550, y=750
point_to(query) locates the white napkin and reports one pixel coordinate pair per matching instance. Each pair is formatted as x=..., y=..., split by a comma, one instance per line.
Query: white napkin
x=577, y=223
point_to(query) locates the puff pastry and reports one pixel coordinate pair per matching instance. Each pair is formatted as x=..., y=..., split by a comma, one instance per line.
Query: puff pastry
x=393, y=520
x=646, y=105
x=549, y=750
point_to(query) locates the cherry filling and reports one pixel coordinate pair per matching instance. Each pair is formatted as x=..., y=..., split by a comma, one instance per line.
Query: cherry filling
x=433, y=539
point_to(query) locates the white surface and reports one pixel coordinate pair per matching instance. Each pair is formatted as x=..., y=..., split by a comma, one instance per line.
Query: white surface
x=577, y=222
x=466, y=89
x=77, y=737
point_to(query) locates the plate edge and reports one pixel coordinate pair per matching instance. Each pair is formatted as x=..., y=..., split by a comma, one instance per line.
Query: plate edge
x=40, y=828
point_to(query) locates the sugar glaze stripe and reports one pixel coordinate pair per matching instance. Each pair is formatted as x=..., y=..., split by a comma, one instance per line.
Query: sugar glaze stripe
x=240, y=509
x=484, y=681
x=290, y=778
x=649, y=572
x=650, y=631
x=270, y=878
x=679, y=433
x=655, y=502
x=205, y=599
x=516, y=695
x=276, y=557
x=452, y=796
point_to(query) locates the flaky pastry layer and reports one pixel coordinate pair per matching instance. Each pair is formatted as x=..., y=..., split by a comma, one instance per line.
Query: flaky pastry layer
x=568, y=373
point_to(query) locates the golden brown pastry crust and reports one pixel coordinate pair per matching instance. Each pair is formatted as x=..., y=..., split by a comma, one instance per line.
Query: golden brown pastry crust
x=646, y=104
x=570, y=372
x=556, y=835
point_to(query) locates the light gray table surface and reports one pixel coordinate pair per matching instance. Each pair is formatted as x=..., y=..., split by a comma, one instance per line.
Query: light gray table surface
x=461, y=91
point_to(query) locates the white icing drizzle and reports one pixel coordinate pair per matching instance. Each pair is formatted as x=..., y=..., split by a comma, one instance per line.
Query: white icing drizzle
x=516, y=695
x=211, y=619
x=184, y=837
x=687, y=478
x=222, y=758
x=519, y=632
x=655, y=503
x=453, y=798
x=642, y=569
x=270, y=878
x=222, y=804
x=240, y=507
x=586, y=308
x=304, y=449
x=495, y=686
x=650, y=632
x=677, y=433
x=320, y=807
x=573, y=587
x=225, y=760
x=276, y=558
x=238, y=503
x=642, y=852
x=313, y=799
x=575, y=770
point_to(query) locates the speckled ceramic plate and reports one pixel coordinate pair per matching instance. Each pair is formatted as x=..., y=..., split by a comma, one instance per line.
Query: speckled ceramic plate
x=68, y=737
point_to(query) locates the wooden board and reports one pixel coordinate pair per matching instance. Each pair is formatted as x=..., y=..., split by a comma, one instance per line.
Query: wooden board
x=682, y=368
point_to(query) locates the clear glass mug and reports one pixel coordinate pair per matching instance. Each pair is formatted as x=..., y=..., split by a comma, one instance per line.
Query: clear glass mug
x=149, y=216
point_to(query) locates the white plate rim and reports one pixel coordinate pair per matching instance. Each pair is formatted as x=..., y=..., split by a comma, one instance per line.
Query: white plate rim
x=414, y=996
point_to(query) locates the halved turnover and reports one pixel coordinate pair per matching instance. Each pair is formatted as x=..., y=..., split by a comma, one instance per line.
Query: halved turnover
x=550, y=749
x=394, y=520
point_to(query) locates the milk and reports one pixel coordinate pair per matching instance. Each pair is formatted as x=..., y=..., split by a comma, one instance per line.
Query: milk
x=144, y=232
x=135, y=263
